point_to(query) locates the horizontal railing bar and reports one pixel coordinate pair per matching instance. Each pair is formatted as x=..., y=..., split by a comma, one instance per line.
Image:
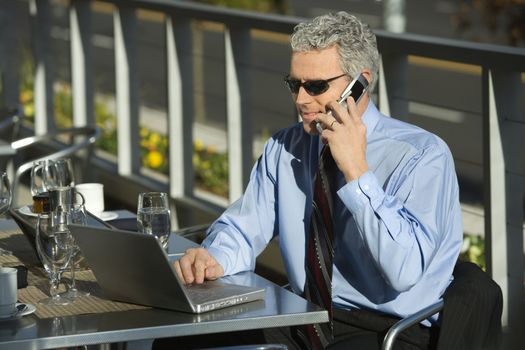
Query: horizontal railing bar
x=411, y=44
x=452, y=50
x=229, y=16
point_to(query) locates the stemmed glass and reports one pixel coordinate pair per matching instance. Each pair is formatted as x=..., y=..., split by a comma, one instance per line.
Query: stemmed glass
x=59, y=173
x=48, y=174
x=37, y=178
x=5, y=201
x=53, y=246
x=5, y=194
x=77, y=215
x=153, y=216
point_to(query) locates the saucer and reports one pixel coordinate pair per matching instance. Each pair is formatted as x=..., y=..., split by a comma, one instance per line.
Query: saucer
x=107, y=216
x=28, y=310
x=27, y=210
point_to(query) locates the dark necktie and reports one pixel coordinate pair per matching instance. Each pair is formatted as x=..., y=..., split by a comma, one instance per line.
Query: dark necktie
x=320, y=252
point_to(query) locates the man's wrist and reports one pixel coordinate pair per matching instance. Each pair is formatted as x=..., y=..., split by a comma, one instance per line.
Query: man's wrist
x=353, y=173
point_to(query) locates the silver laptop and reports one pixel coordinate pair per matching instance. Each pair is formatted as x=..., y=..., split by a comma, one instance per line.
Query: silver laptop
x=133, y=267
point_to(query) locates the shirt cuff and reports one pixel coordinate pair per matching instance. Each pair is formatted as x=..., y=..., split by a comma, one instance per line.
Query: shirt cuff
x=362, y=191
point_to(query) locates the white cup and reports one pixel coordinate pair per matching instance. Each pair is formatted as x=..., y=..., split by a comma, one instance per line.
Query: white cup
x=8, y=289
x=93, y=194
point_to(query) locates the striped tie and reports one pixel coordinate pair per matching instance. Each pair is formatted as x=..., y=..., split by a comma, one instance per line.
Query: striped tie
x=320, y=251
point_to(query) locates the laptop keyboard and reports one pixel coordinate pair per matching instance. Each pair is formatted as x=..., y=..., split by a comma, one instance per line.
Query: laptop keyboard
x=210, y=291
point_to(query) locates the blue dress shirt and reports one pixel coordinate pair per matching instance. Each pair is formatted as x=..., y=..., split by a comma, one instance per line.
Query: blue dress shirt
x=397, y=228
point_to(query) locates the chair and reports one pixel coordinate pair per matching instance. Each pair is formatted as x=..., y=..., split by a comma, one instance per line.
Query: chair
x=253, y=347
x=470, y=312
x=10, y=120
x=61, y=143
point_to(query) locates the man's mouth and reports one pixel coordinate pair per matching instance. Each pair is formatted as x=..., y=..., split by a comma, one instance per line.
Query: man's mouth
x=308, y=116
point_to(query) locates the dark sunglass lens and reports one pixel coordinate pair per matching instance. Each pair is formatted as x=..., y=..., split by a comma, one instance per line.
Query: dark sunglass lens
x=316, y=87
x=294, y=85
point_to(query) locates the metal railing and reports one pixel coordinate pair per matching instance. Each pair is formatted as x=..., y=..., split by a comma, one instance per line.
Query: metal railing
x=498, y=74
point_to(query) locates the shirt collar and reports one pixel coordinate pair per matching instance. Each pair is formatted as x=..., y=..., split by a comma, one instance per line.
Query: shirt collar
x=370, y=118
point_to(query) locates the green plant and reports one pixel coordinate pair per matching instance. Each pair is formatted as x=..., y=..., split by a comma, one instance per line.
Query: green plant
x=473, y=250
x=211, y=168
x=154, y=150
x=108, y=124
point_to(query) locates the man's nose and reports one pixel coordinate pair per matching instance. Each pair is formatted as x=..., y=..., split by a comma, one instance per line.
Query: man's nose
x=302, y=96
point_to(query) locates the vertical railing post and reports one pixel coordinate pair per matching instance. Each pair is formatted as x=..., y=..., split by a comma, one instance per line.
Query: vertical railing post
x=9, y=55
x=392, y=86
x=240, y=158
x=127, y=86
x=180, y=104
x=43, y=83
x=81, y=63
x=502, y=161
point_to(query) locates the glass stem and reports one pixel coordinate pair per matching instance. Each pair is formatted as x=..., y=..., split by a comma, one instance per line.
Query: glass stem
x=53, y=290
x=72, y=286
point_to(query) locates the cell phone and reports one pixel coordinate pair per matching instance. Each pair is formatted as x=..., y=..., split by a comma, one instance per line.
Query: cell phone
x=356, y=89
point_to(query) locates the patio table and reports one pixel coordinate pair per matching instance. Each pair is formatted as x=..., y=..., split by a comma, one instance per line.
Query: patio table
x=97, y=320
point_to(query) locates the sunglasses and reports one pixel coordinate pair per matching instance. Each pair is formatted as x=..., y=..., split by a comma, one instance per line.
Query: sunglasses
x=312, y=87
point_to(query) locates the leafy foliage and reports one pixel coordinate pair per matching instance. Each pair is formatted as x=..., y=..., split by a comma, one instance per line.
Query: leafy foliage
x=473, y=250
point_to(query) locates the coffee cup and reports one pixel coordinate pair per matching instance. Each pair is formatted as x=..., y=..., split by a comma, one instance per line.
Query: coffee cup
x=8, y=290
x=93, y=194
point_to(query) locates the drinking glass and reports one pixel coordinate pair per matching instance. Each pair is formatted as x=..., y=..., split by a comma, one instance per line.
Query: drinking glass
x=153, y=216
x=58, y=173
x=5, y=194
x=53, y=246
x=76, y=215
x=5, y=201
x=37, y=178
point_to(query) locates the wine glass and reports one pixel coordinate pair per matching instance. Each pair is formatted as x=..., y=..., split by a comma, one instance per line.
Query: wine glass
x=53, y=246
x=58, y=173
x=5, y=201
x=153, y=216
x=76, y=215
x=5, y=193
x=37, y=178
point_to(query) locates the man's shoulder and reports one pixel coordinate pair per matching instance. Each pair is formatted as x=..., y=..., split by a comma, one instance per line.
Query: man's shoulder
x=410, y=134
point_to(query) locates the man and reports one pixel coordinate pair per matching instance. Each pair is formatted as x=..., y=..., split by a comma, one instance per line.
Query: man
x=396, y=216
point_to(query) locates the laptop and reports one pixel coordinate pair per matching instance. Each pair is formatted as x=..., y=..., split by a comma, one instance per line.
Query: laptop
x=132, y=267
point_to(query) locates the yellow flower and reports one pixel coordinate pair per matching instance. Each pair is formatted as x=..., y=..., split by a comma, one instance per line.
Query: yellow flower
x=144, y=132
x=154, y=138
x=195, y=160
x=154, y=159
x=29, y=109
x=199, y=146
x=26, y=96
x=206, y=165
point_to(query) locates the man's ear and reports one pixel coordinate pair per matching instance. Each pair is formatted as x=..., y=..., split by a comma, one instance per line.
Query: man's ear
x=367, y=74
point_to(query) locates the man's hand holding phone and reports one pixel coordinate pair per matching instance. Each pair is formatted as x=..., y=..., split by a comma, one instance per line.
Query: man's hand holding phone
x=356, y=89
x=345, y=133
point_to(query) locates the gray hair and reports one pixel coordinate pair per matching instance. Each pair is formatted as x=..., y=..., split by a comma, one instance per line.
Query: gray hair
x=355, y=41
